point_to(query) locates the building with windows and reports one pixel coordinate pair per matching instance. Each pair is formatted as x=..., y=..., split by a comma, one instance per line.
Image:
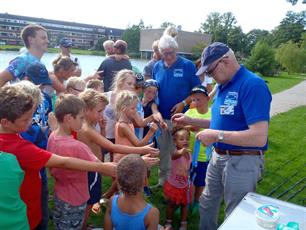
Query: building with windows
x=83, y=36
x=186, y=41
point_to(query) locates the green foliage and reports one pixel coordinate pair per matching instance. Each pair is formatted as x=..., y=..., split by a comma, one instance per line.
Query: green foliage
x=223, y=28
x=99, y=45
x=292, y=56
x=255, y=36
x=198, y=48
x=132, y=36
x=262, y=59
x=290, y=28
x=164, y=25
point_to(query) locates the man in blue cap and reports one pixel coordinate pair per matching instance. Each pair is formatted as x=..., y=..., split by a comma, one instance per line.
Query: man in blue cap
x=238, y=131
x=65, y=45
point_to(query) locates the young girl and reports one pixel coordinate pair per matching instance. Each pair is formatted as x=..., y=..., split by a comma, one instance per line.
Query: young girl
x=124, y=80
x=176, y=188
x=126, y=103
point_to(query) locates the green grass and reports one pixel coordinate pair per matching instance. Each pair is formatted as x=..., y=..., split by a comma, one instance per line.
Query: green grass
x=285, y=157
x=283, y=81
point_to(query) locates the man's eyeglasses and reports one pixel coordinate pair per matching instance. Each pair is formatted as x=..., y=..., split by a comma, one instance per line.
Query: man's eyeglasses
x=170, y=53
x=209, y=72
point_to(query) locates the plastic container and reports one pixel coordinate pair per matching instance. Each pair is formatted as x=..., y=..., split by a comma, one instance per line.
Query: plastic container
x=267, y=216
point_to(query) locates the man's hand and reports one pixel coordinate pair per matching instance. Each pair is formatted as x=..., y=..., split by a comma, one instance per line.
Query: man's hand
x=180, y=119
x=208, y=136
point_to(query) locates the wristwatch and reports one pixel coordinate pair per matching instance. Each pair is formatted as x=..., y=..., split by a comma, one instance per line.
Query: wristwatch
x=221, y=136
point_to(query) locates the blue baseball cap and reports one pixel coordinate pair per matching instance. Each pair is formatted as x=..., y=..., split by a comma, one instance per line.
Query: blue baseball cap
x=210, y=54
x=38, y=74
x=65, y=42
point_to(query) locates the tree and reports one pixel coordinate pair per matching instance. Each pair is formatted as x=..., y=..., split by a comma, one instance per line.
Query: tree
x=255, y=36
x=99, y=44
x=290, y=28
x=262, y=59
x=292, y=56
x=164, y=25
x=222, y=28
x=198, y=48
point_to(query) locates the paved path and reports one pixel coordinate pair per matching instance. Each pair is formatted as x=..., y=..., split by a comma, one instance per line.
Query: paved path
x=288, y=99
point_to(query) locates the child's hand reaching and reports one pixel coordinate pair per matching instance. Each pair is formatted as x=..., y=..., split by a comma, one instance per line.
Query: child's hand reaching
x=153, y=127
x=184, y=152
x=96, y=208
x=150, y=161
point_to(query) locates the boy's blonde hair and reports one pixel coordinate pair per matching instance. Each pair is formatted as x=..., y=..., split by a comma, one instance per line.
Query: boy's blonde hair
x=123, y=99
x=120, y=77
x=14, y=102
x=131, y=172
x=94, y=84
x=92, y=97
x=30, y=89
x=72, y=82
x=68, y=104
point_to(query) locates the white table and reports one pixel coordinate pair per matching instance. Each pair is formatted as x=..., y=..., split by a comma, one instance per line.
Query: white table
x=243, y=217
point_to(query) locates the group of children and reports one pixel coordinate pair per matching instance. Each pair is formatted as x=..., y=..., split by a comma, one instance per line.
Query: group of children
x=84, y=122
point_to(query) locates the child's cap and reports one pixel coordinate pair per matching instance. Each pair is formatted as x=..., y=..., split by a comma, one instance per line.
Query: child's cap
x=199, y=89
x=149, y=83
x=139, y=80
x=38, y=74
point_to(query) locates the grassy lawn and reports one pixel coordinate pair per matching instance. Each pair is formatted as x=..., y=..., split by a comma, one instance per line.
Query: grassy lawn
x=283, y=81
x=285, y=164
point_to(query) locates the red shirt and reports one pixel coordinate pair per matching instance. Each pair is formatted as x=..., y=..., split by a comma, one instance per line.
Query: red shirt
x=31, y=159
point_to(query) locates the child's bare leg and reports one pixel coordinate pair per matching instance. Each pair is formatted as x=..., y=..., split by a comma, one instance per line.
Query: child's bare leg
x=169, y=213
x=183, y=217
x=197, y=193
x=86, y=215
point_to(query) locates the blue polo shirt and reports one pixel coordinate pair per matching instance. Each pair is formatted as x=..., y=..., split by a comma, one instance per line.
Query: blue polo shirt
x=174, y=82
x=243, y=101
x=18, y=65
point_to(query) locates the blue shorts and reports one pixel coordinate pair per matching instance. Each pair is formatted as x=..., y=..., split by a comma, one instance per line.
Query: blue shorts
x=94, y=187
x=200, y=171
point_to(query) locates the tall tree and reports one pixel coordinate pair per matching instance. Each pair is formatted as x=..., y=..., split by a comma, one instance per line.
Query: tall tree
x=292, y=56
x=255, y=36
x=164, y=25
x=290, y=28
x=132, y=36
x=223, y=28
x=262, y=59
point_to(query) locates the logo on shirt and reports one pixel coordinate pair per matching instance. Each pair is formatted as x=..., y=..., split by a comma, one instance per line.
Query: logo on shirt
x=178, y=73
x=231, y=100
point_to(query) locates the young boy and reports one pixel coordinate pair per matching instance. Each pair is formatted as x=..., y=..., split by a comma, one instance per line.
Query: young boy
x=95, y=103
x=199, y=99
x=16, y=112
x=129, y=210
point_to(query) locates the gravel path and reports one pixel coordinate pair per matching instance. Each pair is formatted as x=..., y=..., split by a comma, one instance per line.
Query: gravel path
x=288, y=99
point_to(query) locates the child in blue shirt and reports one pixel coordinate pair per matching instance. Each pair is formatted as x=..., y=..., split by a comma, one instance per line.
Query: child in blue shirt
x=129, y=210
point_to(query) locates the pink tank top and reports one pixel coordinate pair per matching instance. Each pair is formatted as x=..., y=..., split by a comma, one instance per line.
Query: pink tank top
x=122, y=140
x=179, y=172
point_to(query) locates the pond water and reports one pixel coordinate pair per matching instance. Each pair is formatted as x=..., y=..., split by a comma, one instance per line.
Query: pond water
x=89, y=63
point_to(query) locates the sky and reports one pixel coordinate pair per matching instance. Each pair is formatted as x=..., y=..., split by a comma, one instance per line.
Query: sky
x=250, y=14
